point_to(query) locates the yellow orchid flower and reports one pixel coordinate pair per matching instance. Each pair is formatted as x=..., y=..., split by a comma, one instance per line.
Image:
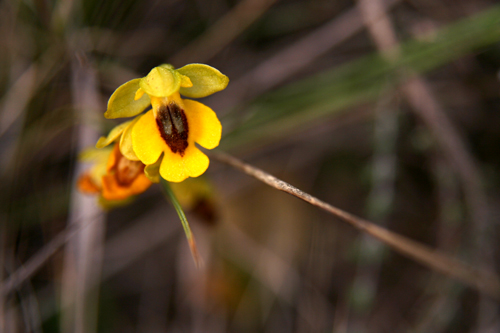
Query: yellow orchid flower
x=90, y=182
x=164, y=137
x=122, y=133
x=123, y=177
x=113, y=176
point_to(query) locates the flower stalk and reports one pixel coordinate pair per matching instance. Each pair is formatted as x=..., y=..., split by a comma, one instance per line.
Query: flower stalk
x=185, y=224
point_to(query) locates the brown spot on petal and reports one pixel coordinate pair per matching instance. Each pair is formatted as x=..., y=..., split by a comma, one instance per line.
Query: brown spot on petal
x=173, y=126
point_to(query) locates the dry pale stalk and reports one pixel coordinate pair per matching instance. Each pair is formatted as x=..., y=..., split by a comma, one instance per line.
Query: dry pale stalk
x=484, y=281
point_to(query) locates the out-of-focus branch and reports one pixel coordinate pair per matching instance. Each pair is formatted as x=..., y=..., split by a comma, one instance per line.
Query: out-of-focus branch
x=27, y=270
x=380, y=204
x=428, y=109
x=83, y=254
x=222, y=32
x=294, y=58
x=482, y=280
x=425, y=105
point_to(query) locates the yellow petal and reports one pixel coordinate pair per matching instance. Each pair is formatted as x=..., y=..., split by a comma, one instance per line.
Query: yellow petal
x=126, y=147
x=204, y=127
x=146, y=139
x=186, y=81
x=122, y=102
x=138, y=94
x=195, y=162
x=172, y=167
x=206, y=80
x=112, y=136
x=112, y=190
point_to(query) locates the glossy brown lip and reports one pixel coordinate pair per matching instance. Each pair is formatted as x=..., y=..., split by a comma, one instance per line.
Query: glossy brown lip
x=172, y=123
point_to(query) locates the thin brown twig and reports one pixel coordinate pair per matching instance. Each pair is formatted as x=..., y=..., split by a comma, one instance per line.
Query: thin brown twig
x=482, y=280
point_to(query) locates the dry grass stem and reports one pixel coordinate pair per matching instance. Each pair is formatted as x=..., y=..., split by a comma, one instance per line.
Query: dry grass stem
x=83, y=253
x=484, y=281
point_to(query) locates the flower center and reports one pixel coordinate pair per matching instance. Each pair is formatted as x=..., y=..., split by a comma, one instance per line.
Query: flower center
x=127, y=170
x=173, y=126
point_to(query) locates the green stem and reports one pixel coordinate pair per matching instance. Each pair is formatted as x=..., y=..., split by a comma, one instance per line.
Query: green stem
x=185, y=224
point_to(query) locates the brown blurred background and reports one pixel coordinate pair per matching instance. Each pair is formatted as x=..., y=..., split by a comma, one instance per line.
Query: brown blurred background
x=388, y=109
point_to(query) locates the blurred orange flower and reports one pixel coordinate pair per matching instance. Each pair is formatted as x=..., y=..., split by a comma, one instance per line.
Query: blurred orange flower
x=113, y=176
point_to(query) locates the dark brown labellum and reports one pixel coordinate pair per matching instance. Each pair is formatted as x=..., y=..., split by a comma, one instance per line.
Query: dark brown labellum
x=173, y=126
x=126, y=170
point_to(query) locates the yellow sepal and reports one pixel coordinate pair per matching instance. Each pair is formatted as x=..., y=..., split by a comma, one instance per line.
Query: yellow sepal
x=112, y=135
x=122, y=102
x=205, y=80
x=126, y=147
